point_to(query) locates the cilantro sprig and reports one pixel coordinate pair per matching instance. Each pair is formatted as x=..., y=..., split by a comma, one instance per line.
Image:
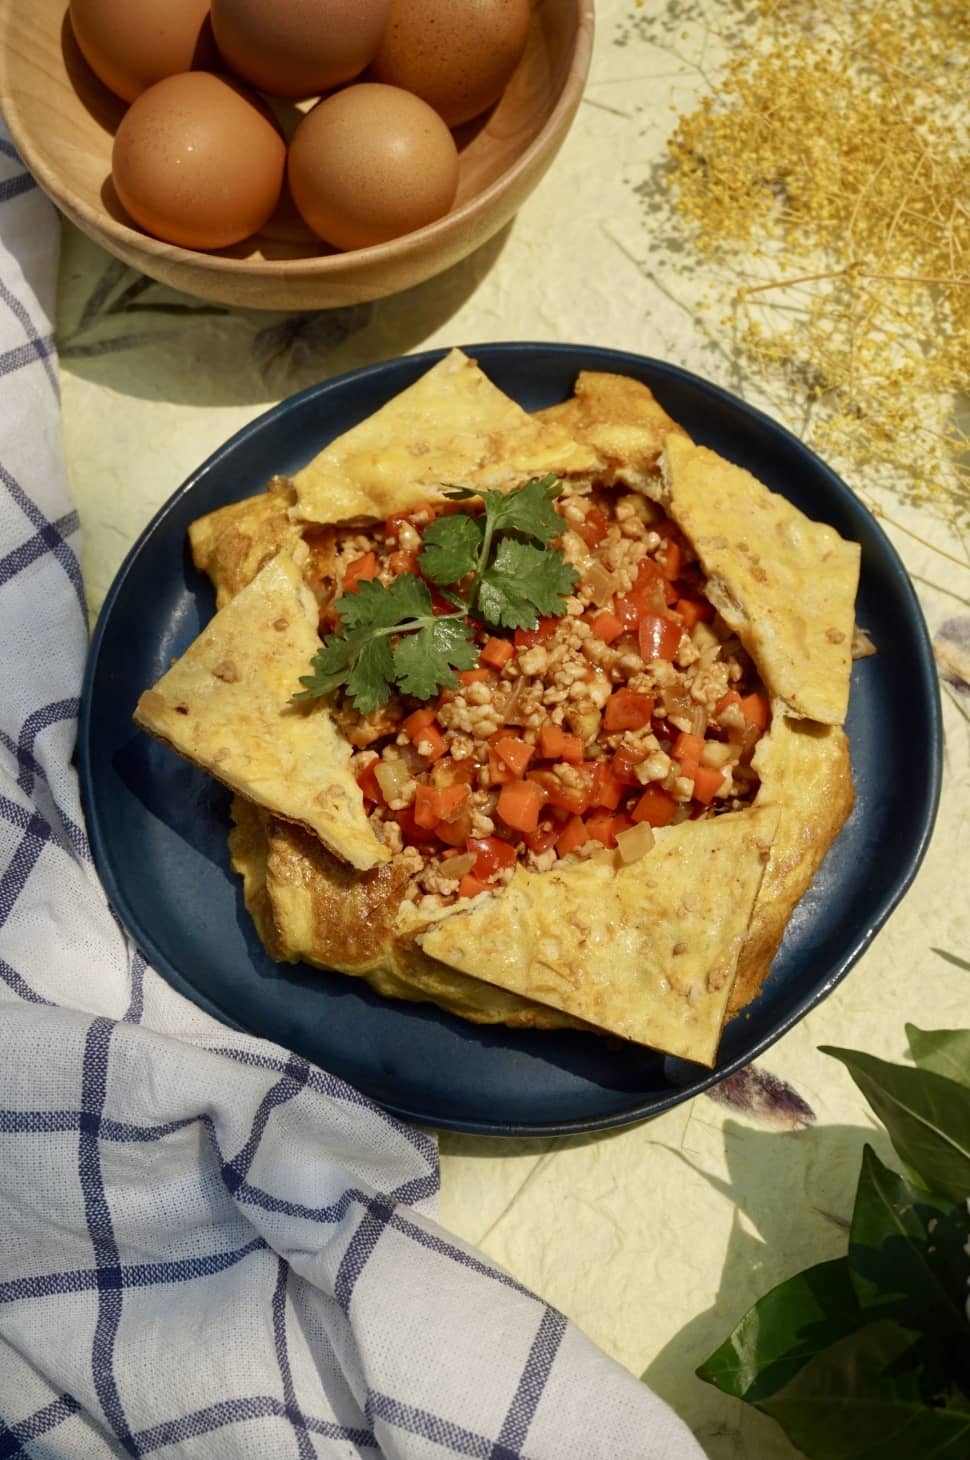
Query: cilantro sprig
x=497, y=567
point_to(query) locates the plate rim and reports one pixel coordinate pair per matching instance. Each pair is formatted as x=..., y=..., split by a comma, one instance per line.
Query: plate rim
x=930, y=701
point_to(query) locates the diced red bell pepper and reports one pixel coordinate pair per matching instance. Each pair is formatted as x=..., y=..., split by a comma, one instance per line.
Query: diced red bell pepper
x=624, y=764
x=627, y=709
x=369, y=784
x=471, y=886
x=528, y=638
x=686, y=749
x=659, y=636
x=568, y=797
x=402, y=562
x=606, y=626
x=593, y=529
x=694, y=610
x=673, y=559
x=492, y=855
x=544, y=837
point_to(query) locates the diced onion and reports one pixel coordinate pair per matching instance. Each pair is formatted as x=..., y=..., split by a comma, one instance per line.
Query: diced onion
x=635, y=842
x=455, y=867
x=698, y=719
x=601, y=584
x=392, y=777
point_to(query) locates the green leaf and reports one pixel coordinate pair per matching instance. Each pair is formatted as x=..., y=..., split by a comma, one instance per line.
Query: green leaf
x=528, y=511
x=426, y=661
x=944, y=1051
x=907, y=1257
x=368, y=683
x=784, y=1329
x=522, y=583
x=330, y=666
x=927, y=1117
x=862, y=1399
x=452, y=546
x=372, y=606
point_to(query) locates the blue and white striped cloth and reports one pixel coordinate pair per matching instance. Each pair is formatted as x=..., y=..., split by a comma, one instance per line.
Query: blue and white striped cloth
x=208, y=1247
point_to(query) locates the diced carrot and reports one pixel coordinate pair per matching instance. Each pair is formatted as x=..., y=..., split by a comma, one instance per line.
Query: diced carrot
x=528, y=638
x=450, y=772
x=556, y=744
x=603, y=826
x=519, y=804
x=659, y=636
x=498, y=772
x=693, y=610
x=708, y=780
x=756, y=710
x=426, y=812
x=496, y=652
x=417, y=721
x=655, y=806
x=492, y=854
x=624, y=764
x=571, y=797
x=455, y=833
x=687, y=750
x=606, y=789
x=731, y=698
x=361, y=570
x=470, y=886
x=473, y=676
x=573, y=835
x=606, y=626
x=593, y=528
x=514, y=751
x=402, y=562
x=627, y=709
x=369, y=784
x=430, y=742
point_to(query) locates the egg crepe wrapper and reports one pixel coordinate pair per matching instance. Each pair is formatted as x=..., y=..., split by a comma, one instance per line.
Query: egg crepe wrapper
x=784, y=584
x=481, y=959
x=310, y=907
x=225, y=705
x=451, y=427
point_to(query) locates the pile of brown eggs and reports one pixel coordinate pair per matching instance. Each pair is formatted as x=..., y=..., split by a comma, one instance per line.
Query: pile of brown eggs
x=218, y=129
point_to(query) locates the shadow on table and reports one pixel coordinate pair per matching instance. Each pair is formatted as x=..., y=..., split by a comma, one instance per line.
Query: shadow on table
x=793, y=1196
x=119, y=329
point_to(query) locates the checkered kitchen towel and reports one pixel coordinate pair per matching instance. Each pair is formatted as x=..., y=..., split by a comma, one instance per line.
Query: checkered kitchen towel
x=208, y=1247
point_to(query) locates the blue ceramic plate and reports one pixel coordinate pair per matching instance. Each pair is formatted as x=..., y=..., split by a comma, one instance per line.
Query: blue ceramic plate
x=158, y=826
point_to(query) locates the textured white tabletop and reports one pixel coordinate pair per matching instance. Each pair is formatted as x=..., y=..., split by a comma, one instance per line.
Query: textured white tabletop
x=656, y=1238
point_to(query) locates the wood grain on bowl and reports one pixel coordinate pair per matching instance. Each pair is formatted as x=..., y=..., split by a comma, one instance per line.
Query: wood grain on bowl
x=62, y=120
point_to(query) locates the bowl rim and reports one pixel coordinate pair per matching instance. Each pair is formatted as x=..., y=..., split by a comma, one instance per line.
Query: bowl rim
x=322, y=265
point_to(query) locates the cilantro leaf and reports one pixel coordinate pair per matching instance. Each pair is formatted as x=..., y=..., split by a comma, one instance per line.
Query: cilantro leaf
x=331, y=664
x=452, y=546
x=372, y=606
x=528, y=510
x=425, y=662
x=369, y=682
x=523, y=583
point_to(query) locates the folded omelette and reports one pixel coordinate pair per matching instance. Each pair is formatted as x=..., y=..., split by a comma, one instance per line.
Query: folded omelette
x=606, y=820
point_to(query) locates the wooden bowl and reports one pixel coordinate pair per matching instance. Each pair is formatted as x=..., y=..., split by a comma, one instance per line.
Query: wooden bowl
x=62, y=121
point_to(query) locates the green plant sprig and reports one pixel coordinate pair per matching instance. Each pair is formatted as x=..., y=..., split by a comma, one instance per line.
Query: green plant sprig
x=867, y=1357
x=497, y=567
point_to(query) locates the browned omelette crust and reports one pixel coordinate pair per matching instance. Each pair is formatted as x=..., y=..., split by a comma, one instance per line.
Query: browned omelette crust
x=623, y=422
x=232, y=543
x=309, y=907
x=807, y=776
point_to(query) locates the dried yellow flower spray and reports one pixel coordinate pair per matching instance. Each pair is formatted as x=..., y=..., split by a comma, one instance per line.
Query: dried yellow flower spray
x=829, y=170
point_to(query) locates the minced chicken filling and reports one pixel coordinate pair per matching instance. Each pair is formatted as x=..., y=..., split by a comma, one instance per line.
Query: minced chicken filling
x=636, y=709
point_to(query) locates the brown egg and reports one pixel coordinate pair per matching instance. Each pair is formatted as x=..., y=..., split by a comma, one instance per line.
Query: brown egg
x=129, y=46
x=298, y=47
x=198, y=162
x=456, y=54
x=370, y=163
